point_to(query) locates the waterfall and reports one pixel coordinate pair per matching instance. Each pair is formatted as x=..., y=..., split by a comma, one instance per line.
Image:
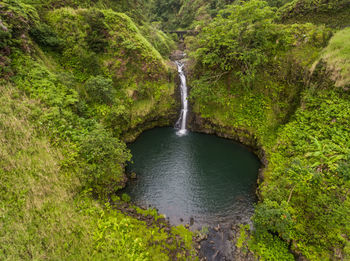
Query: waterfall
x=181, y=122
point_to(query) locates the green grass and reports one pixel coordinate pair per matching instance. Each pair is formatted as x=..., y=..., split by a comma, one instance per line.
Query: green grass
x=37, y=217
x=121, y=39
x=332, y=13
x=337, y=56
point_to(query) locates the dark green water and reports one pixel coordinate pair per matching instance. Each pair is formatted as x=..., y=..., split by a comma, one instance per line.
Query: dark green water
x=202, y=176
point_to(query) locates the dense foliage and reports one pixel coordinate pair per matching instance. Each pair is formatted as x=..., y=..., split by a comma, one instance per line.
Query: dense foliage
x=173, y=15
x=241, y=39
x=299, y=119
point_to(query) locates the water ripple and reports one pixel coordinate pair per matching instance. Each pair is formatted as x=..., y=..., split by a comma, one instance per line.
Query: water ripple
x=201, y=176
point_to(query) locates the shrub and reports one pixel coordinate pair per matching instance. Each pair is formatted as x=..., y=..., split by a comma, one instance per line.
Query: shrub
x=118, y=118
x=271, y=216
x=344, y=169
x=100, y=89
x=45, y=36
x=242, y=38
x=97, y=33
x=270, y=247
x=104, y=158
x=126, y=197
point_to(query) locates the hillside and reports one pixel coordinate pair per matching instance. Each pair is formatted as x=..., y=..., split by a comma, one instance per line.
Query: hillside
x=76, y=81
x=333, y=13
x=282, y=88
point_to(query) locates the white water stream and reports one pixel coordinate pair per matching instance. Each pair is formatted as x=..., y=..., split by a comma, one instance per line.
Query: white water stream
x=181, y=122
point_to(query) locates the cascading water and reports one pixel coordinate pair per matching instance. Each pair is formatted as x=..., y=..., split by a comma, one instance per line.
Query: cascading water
x=181, y=122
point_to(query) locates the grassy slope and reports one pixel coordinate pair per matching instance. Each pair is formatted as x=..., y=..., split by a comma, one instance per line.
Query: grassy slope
x=34, y=192
x=136, y=67
x=305, y=179
x=333, y=13
x=337, y=58
x=48, y=120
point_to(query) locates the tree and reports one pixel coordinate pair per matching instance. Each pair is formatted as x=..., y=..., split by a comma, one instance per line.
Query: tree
x=243, y=37
x=100, y=89
x=104, y=158
x=270, y=216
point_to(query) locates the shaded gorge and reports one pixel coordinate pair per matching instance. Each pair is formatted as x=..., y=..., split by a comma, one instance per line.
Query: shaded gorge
x=196, y=179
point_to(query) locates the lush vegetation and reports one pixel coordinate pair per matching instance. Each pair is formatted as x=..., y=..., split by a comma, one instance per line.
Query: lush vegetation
x=287, y=87
x=173, y=15
x=79, y=78
x=44, y=214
